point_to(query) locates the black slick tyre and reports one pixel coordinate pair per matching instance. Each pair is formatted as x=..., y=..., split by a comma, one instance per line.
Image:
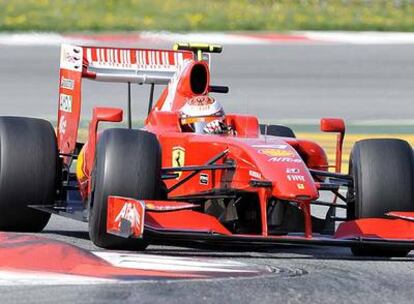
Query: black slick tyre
x=28, y=170
x=383, y=174
x=128, y=163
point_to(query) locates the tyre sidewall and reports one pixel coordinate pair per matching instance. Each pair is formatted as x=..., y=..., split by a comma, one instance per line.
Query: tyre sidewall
x=383, y=171
x=29, y=163
x=127, y=164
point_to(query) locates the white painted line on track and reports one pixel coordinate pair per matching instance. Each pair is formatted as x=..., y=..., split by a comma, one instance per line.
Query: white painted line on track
x=176, y=264
x=219, y=38
x=28, y=39
x=26, y=278
x=226, y=38
x=181, y=265
x=360, y=37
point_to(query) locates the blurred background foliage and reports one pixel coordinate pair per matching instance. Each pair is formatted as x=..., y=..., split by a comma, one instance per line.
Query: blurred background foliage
x=206, y=15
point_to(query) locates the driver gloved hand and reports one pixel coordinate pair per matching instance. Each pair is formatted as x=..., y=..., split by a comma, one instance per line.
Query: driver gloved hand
x=215, y=127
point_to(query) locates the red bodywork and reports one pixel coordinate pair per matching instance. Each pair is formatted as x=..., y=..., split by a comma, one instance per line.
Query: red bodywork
x=269, y=167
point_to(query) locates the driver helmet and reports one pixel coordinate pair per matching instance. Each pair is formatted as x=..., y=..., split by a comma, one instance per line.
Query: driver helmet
x=199, y=111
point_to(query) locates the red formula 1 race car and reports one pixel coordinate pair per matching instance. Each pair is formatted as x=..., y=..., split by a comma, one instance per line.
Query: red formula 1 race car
x=193, y=174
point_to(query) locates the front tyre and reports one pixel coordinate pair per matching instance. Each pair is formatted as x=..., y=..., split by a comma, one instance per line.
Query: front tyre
x=383, y=174
x=128, y=163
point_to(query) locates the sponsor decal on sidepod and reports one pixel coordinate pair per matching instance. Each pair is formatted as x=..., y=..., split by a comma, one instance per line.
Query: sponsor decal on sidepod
x=283, y=160
x=203, y=179
x=276, y=152
x=255, y=174
x=295, y=178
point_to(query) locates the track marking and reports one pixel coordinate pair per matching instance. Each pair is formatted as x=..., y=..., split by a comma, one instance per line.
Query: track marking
x=175, y=264
x=33, y=278
x=37, y=260
x=363, y=38
x=227, y=38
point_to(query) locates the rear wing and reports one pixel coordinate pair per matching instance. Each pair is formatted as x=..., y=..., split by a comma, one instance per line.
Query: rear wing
x=132, y=65
x=125, y=65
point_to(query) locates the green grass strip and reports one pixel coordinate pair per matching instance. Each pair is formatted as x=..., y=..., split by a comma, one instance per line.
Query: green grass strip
x=206, y=15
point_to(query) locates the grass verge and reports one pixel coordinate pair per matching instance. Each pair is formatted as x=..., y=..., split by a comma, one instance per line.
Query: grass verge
x=202, y=15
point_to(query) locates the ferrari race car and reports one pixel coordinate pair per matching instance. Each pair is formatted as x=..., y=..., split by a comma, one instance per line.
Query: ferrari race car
x=254, y=185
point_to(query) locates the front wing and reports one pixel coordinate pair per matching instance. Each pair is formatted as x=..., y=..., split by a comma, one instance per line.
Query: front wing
x=176, y=222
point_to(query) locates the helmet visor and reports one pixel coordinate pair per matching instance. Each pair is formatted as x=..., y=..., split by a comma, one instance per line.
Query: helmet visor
x=197, y=124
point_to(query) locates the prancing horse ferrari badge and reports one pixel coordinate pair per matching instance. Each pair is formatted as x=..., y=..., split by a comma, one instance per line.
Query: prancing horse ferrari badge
x=178, y=158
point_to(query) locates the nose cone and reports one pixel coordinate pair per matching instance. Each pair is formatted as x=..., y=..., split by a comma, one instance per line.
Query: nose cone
x=282, y=165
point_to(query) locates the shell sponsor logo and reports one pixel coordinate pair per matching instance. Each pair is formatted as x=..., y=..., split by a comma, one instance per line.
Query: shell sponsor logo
x=276, y=153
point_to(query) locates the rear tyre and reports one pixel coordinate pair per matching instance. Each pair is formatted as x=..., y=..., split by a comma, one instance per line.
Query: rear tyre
x=28, y=158
x=383, y=173
x=277, y=130
x=128, y=163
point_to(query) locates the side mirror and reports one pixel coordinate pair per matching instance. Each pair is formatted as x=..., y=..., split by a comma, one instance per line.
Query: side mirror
x=336, y=125
x=107, y=114
x=100, y=114
x=333, y=125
